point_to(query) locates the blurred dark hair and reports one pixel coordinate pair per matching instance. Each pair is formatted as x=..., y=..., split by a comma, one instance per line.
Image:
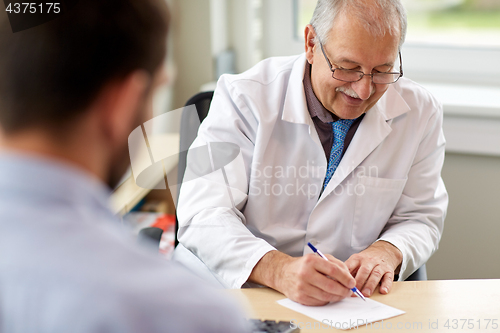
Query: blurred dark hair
x=51, y=73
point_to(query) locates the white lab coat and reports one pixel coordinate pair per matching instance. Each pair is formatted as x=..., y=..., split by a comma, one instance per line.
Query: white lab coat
x=388, y=185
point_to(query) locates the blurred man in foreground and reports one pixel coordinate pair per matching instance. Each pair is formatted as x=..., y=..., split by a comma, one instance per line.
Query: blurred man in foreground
x=71, y=91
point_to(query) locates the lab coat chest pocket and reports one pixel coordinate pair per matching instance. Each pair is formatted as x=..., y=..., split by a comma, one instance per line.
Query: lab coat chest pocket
x=376, y=199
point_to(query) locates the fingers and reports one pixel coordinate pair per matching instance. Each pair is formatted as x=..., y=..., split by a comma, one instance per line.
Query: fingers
x=373, y=266
x=370, y=275
x=306, y=294
x=310, y=294
x=362, y=276
x=373, y=280
x=330, y=287
x=311, y=280
x=312, y=301
x=378, y=275
x=307, y=280
x=386, y=284
x=337, y=270
x=353, y=264
x=308, y=300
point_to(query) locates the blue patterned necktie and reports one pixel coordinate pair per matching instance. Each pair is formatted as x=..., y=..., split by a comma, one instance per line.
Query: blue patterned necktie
x=340, y=129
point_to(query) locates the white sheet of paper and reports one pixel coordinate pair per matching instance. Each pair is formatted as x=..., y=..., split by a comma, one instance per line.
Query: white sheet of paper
x=348, y=313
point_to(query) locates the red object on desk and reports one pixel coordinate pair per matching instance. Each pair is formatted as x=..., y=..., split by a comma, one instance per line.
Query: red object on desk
x=164, y=222
x=167, y=243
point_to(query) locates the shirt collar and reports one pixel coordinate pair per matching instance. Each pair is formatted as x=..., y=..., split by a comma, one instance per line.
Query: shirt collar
x=43, y=178
x=316, y=109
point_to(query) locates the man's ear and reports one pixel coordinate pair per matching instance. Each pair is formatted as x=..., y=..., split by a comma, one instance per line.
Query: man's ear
x=121, y=102
x=309, y=36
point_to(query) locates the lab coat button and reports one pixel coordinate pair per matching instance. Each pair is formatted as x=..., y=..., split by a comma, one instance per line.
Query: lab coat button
x=314, y=242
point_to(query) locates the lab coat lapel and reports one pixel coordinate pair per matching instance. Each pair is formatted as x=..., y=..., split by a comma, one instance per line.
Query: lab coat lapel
x=295, y=104
x=372, y=131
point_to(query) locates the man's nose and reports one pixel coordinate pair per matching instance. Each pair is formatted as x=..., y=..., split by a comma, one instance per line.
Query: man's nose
x=363, y=87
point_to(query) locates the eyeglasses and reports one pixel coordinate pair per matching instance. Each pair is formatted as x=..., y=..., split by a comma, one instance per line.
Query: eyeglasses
x=349, y=75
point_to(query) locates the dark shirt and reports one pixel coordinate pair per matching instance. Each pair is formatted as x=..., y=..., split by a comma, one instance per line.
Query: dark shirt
x=322, y=117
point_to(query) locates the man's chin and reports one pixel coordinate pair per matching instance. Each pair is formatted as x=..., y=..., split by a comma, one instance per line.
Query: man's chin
x=350, y=113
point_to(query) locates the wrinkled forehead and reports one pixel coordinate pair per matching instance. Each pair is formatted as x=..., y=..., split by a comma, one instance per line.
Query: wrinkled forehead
x=376, y=21
x=353, y=37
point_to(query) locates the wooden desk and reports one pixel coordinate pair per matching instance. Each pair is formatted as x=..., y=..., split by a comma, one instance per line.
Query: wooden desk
x=429, y=306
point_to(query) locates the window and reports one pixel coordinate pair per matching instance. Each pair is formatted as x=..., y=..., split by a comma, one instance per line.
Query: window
x=448, y=41
x=304, y=10
x=466, y=23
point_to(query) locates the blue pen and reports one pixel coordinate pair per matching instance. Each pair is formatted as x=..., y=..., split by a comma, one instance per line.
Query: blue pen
x=318, y=252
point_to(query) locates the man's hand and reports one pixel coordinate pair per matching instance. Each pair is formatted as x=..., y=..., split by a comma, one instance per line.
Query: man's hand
x=377, y=264
x=305, y=280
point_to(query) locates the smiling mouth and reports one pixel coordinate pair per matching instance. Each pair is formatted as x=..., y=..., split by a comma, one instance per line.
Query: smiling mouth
x=351, y=100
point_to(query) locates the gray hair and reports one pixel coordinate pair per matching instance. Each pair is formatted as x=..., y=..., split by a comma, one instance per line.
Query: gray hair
x=378, y=17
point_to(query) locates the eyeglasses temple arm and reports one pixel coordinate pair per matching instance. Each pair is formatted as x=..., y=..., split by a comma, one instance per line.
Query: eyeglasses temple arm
x=400, y=64
x=326, y=58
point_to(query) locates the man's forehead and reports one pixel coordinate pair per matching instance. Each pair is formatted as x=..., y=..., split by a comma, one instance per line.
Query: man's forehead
x=372, y=18
x=349, y=42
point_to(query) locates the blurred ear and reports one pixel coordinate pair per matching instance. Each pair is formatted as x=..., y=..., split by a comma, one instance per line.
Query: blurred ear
x=120, y=103
x=309, y=36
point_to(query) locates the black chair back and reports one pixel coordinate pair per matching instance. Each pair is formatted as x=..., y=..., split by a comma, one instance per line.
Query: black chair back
x=188, y=132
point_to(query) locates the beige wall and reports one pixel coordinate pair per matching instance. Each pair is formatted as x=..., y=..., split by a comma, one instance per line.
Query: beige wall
x=191, y=32
x=470, y=246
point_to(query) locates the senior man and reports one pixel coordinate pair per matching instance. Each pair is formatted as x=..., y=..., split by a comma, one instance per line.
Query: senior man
x=337, y=149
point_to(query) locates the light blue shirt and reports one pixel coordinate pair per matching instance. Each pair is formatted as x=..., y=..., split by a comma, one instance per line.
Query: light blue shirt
x=67, y=266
